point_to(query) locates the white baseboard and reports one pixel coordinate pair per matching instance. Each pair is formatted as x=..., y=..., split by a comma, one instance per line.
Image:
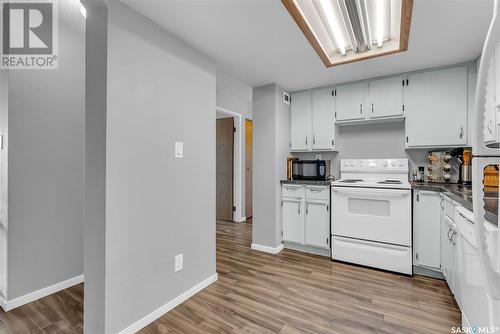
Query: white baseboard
x=141, y=323
x=241, y=220
x=35, y=295
x=267, y=249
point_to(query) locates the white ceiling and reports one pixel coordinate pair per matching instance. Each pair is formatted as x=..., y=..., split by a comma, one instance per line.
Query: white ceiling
x=258, y=41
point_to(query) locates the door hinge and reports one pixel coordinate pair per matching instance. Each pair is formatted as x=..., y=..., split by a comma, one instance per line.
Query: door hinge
x=234, y=129
x=234, y=209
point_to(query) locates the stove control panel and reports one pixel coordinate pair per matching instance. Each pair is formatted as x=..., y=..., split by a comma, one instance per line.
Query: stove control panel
x=374, y=165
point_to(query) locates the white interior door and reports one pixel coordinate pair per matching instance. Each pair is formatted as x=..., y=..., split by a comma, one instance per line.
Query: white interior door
x=323, y=119
x=301, y=114
x=293, y=220
x=385, y=97
x=350, y=101
x=318, y=224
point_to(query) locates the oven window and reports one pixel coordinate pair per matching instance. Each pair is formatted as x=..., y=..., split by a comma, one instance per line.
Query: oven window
x=369, y=207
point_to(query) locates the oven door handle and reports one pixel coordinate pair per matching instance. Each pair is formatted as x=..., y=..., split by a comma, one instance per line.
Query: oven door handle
x=372, y=191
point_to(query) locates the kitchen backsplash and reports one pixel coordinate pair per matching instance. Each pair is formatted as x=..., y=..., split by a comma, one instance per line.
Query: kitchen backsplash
x=372, y=141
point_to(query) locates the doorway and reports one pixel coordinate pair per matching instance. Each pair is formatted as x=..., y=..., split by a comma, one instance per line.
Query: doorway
x=248, y=167
x=225, y=168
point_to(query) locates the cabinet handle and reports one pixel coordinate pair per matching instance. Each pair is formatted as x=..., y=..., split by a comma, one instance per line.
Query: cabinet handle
x=361, y=108
x=291, y=188
x=306, y=140
x=452, y=240
x=299, y=208
x=314, y=139
x=449, y=231
x=442, y=203
x=307, y=208
x=373, y=110
x=461, y=131
x=317, y=190
x=327, y=241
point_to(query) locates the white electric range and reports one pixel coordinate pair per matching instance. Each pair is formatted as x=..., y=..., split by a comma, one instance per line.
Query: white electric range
x=371, y=214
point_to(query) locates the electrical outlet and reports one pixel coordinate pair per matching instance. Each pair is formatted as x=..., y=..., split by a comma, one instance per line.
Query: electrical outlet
x=179, y=262
x=318, y=156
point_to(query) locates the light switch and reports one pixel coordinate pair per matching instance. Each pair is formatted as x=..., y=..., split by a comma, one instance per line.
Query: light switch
x=179, y=150
x=179, y=262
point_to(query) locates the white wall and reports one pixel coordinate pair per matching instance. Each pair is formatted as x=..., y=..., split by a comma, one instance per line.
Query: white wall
x=159, y=90
x=45, y=169
x=3, y=182
x=270, y=147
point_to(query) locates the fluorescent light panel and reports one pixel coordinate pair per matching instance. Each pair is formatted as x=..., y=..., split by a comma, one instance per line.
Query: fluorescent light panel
x=349, y=30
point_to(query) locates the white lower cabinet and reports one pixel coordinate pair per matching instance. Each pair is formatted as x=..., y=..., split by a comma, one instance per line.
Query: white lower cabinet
x=306, y=216
x=317, y=228
x=449, y=251
x=293, y=220
x=426, y=229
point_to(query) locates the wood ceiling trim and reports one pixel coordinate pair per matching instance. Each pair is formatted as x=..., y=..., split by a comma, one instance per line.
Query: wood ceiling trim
x=406, y=13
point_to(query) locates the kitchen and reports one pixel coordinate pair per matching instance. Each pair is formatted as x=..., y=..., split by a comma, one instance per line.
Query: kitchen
x=363, y=196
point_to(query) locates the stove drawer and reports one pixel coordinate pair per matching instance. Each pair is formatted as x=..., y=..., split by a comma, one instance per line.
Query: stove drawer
x=382, y=215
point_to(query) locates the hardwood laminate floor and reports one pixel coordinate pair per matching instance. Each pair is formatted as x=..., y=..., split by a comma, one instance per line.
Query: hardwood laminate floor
x=261, y=293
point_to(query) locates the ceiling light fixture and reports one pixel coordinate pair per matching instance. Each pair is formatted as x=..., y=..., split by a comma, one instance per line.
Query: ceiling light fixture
x=354, y=27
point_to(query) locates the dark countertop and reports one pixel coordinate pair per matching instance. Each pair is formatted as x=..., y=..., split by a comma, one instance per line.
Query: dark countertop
x=463, y=195
x=308, y=182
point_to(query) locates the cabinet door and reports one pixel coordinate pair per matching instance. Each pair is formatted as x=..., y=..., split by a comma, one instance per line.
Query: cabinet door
x=293, y=221
x=436, y=108
x=443, y=247
x=497, y=74
x=426, y=228
x=385, y=97
x=490, y=126
x=301, y=122
x=350, y=101
x=318, y=224
x=323, y=119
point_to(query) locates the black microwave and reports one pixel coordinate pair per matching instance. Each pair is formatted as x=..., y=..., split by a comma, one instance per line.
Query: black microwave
x=310, y=169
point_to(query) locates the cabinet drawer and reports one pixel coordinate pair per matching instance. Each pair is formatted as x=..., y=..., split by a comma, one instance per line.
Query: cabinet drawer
x=292, y=190
x=318, y=192
x=449, y=206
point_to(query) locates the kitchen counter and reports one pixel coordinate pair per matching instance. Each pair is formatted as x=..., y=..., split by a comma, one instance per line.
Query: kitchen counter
x=463, y=195
x=308, y=182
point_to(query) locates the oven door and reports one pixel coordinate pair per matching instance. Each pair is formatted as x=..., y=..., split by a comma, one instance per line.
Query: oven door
x=375, y=214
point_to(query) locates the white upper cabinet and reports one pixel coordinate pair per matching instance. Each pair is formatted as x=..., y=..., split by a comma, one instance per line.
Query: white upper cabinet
x=323, y=119
x=436, y=108
x=350, y=101
x=497, y=74
x=385, y=97
x=301, y=115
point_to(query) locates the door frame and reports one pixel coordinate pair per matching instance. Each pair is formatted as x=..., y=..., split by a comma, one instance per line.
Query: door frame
x=238, y=165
